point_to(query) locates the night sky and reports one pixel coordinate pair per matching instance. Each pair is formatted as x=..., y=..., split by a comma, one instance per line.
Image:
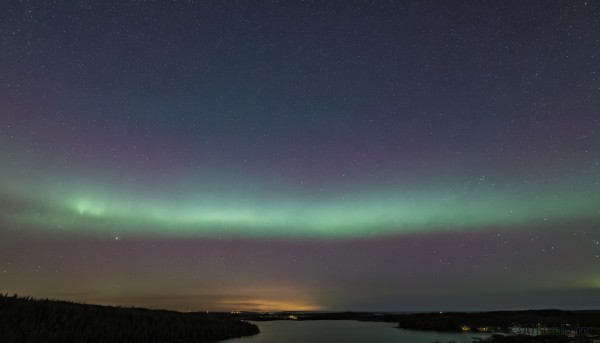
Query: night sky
x=300, y=155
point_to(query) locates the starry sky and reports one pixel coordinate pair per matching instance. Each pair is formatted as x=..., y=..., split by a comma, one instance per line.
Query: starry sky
x=301, y=155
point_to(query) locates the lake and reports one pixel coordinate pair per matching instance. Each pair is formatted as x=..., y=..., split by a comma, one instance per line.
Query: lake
x=346, y=331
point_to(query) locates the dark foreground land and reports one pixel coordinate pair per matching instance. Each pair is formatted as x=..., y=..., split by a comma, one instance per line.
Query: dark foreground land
x=500, y=319
x=24, y=320
x=539, y=339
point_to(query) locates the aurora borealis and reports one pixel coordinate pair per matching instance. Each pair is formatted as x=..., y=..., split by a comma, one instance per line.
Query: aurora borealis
x=301, y=155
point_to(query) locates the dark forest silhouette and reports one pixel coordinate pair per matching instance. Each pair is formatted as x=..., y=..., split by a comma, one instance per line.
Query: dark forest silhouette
x=24, y=320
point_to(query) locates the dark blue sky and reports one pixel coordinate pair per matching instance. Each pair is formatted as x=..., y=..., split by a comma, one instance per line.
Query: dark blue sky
x=283, y=128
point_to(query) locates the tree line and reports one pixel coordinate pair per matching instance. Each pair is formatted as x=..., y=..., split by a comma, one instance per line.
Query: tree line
x=26, y=319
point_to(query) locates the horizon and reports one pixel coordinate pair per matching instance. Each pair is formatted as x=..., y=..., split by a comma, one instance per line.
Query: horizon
x=304, y=311
x=304, y=155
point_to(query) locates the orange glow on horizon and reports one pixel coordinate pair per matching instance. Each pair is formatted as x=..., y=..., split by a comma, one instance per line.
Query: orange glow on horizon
x=264, y=305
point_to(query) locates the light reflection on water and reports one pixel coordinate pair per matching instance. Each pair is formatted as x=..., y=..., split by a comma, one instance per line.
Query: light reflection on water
x=321, y=331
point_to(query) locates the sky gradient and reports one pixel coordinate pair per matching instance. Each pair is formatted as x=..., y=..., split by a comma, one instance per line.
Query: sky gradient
x=370, y=155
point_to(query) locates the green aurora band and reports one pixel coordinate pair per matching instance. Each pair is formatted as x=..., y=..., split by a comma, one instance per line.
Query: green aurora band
x=373, y=212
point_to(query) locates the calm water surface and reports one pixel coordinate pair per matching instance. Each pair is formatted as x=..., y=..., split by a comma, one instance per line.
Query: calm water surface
x=320, y=331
